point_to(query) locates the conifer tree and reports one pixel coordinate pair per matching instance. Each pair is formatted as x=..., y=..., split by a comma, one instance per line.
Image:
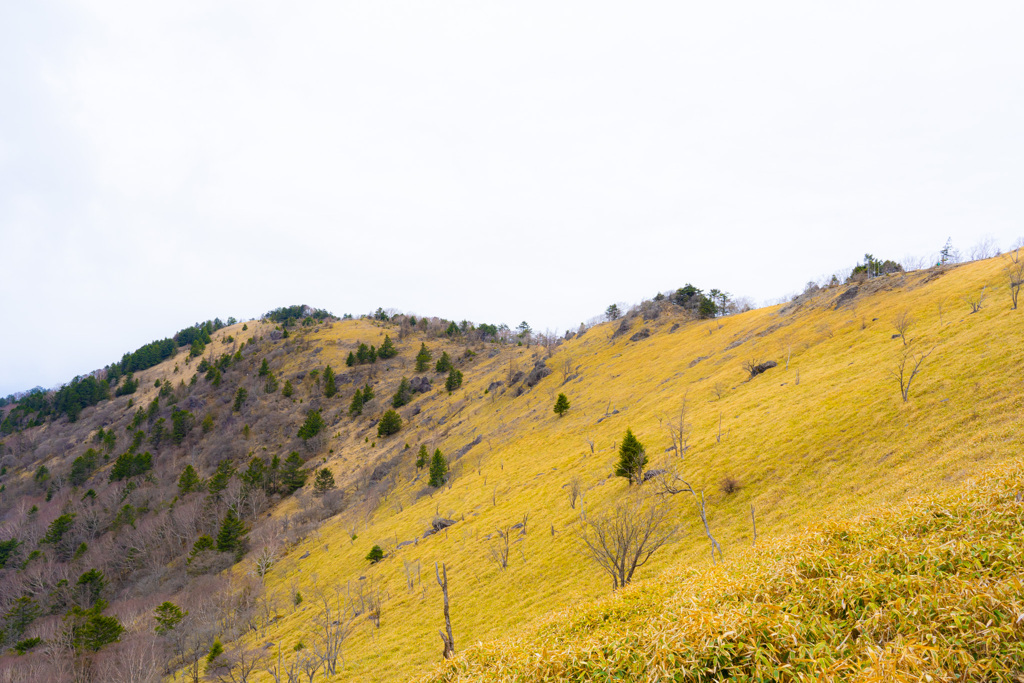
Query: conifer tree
x=351, y=360
x=313, y=425
x=444, y=363
x=167, y=616
x=438, y=469
x=632, y=459
x=561, y=405
x=454, y=380
x=232, y=532
x=293, y=477
x=330, y=386
x=323, y=482
x=264, y=368
x=387, y=349
x=356, y=407
x=421, y=457
x=189, y=481
x=271, y=384
x=423, y=358
x=288, y=389
x=367, y=393
x=403, y=395
x=219, y=480
x=390, y=423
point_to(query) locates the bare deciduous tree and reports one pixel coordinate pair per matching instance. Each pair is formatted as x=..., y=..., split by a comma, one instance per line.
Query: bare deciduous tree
x=902, y=323
x=446, y=635
x=623, y=538
x=1015, y=275
x=671, y=485
x=574, y=488
x=333, y=624
x=679, y=428
x=907, y=367
x=499, y=549
x=975, y=301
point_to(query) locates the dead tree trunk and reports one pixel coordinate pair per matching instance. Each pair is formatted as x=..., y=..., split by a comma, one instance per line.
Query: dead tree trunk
x=446, y=635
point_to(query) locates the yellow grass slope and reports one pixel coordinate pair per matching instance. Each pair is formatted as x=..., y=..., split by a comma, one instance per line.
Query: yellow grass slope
x=827, y=436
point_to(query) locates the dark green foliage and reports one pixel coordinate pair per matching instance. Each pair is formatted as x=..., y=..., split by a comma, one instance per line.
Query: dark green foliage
x=330, y=384
x=129, y=386
x=270, y=386
x=452, y=329
x=231, y=536
x=189, y=481
x=21, y=613
x=288, y=389
x=216, y=650
x=90, y=585
x=403, y=395
x=202, y=544
x=197, y=348
x=182, y=422
x=41, y=475
x=390, y=423
x=131, y=465
x=57, y=529
x=313, y=425
x=444, y=363
x=632, y=459
x=438, y=469
x=207, y=424
x=124, y=517
x=158, y=433
x=23, y=646
x=255, y=476
x=873, y=267
x=356, y=406
x=454, y=380
x=8, y=551
x=240, y=397
x=423, y=358
x=83, y=466
x=367, y=393
x=387, y=349
x=109, y=440
x=323, y=482
x=90, y=630
x=167, y=616
x=221, y=477
x=288, y=314
x=293, y=477
x=561, y=405
x=375, y=555
x=264, y=368
x=137, y=438
x=351, y=360
x=421, y=457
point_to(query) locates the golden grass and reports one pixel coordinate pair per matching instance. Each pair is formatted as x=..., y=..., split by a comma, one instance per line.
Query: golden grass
x=838, y=443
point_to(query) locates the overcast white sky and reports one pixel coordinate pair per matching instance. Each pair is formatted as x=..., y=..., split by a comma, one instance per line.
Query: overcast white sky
x=163, y=163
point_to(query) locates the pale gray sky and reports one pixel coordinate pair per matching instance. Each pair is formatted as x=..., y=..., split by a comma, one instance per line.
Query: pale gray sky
x=163, y=163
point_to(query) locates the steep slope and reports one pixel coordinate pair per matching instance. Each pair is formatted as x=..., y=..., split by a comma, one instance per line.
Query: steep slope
x=827, y=436
x=825, y=433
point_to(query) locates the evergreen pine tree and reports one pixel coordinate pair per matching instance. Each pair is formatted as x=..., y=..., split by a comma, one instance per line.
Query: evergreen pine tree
x=454, y=380
x=423, y=358
x=240, y=397
x=288, y=389
x=421, y=457
x=264, y=368
x=387, y=349
x=390, y=423
x=561, y=405
x=438, y=469
x=367, y=393
x=232, y=532
x=375, y=555
x=219, y=480
x=313, y=425
x=403, y=395
x=189, y=481
x=168, y=616
x=293, y=477
x=271, y=384
x=632, y=459
x=323, y=482
x=330, y=386
x=444, y=363
x=351, y=360
x=356, y=406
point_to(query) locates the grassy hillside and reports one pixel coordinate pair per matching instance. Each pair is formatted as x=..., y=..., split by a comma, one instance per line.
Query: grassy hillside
x=827, y=436
x=823, y=435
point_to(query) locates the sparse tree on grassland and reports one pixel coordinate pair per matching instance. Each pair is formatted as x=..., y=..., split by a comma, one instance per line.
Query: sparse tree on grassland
x=907, y=366
x=423, y=358
x=390, y=423
x=1015, y=275
x=612, y=312
x=454, y=380
x=323, y=482
x=330, y=384
x=622, y=539
x=561, y=405
x=902, y=323
x=422, y=456
x=438, y=469
x=403, y=395
x=632, y=459
x=444, y=363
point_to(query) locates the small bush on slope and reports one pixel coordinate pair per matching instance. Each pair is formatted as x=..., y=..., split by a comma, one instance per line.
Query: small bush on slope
x=931, y=588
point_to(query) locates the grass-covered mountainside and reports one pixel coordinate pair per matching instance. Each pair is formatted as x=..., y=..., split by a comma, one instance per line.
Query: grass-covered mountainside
x=245, y=511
